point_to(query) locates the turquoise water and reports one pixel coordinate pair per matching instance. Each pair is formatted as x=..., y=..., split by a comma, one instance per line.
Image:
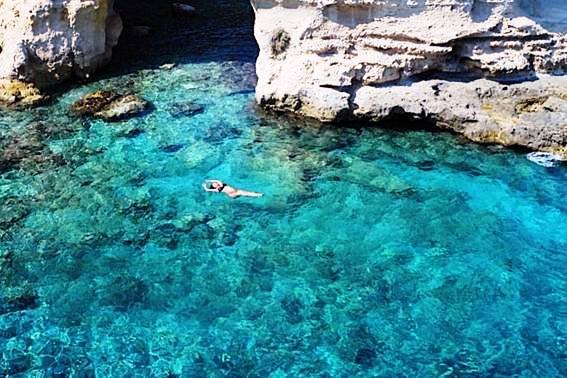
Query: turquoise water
x=374, y=252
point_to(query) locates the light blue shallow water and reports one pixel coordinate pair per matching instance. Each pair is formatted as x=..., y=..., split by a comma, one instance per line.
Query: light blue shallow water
x=373, y=252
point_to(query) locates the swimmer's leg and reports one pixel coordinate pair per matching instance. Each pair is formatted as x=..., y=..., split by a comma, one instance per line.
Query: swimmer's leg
x=245, y=193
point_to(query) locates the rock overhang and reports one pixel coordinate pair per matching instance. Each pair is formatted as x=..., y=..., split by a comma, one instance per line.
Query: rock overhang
x=360, y=60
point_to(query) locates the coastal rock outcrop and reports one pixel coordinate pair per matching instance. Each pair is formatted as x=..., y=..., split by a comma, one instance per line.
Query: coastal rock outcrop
x=45, y=41
x=19, y=93
x=442, y=60
x=531, y=114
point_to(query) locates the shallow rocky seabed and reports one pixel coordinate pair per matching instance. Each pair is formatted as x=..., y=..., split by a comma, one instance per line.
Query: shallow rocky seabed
x=374, y=252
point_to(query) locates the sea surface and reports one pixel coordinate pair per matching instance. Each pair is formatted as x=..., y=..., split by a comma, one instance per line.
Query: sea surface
x=375, y=251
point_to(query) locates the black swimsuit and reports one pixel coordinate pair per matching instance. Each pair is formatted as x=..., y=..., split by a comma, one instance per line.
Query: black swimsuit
x=221, y=188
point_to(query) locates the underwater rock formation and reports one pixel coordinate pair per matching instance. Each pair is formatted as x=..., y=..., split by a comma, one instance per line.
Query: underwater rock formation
x=343, y=60
x=27, y=149
x=45, y=42
x=186, y=109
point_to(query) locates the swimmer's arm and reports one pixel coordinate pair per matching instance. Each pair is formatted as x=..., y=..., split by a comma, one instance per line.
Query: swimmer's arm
x=209, y=190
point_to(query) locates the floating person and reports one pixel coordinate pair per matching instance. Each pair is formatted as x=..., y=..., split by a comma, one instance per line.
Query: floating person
x=220, y=187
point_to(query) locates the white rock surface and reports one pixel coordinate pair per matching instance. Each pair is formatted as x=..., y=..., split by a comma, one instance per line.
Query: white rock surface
x=530, y=114
x=48, y=41
x=350, y=59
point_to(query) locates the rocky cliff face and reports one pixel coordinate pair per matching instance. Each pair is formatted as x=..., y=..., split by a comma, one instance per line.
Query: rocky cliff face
x=361, y=59
x=47, y=41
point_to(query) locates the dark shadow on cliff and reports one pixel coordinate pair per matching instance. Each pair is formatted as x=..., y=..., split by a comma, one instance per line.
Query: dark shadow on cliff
x=219, y=30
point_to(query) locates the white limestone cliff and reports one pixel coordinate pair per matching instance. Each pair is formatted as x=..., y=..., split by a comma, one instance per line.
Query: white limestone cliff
x=47, y=41
x=337, y=59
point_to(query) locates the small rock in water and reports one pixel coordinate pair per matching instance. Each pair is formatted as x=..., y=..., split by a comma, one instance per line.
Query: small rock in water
x=132, y=133
x=93, y=102
x=172, y=148
x=110, y=106
x=426, y=165
x=167, y=66
x=183, y=9
x=545, y=159
x=186, y=109
x=123, y=107
x=218, y=133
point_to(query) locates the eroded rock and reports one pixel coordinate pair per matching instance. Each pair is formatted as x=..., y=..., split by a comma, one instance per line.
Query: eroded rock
x=19, y=93
x=124, y=107
x=530, y=115
x=45, y=42
x=93, y=102
x=344, y=44
x=110, y=106
x=368, y=59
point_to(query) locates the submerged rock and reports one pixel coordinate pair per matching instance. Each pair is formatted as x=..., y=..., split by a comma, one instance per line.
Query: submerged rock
x=110, y=106
x=186, y=109
x=27, y=149
x=123, y=291
x=12, y=211
x=18, y=299
x=365, y=357
x=373, y=177
x=172, y=148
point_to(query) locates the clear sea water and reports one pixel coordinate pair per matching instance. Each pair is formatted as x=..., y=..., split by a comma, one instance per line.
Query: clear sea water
x=374, y=253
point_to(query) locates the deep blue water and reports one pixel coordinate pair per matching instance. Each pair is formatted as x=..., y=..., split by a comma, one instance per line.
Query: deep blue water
x=374, y=252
